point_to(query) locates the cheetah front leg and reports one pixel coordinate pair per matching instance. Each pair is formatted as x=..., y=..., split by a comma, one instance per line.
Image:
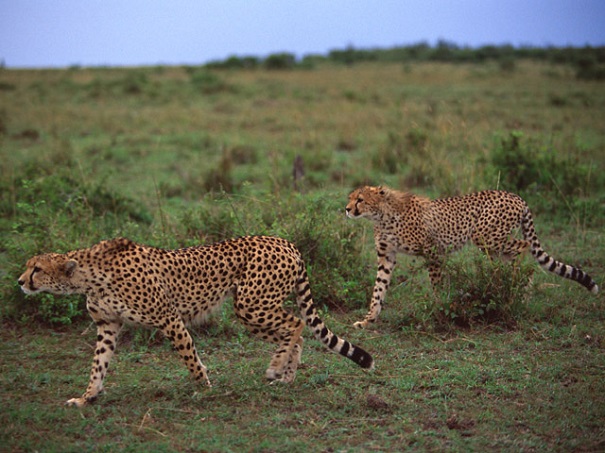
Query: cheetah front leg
x=386, y=264
x=107, y=333
x=178, y=334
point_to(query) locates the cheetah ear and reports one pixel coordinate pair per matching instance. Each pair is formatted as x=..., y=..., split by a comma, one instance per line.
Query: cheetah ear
x=69, y=267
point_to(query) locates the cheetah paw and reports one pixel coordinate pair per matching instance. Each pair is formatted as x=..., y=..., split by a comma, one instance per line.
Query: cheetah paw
x=77, y=402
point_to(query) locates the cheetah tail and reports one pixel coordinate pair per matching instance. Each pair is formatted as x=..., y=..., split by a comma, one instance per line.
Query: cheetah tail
x=548, y=263
x=320, y=331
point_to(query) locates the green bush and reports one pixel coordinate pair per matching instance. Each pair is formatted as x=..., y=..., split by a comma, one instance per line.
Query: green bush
x=550, y=181
x=589, y=68
x=523, y=165
x=208, y=82
x=280, y=61
x=480, y=289
x=54, y=212
x=330, y=245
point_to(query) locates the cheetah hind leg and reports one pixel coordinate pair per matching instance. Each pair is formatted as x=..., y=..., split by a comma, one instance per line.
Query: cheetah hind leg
x=511, y=253
x=293, y=362
x=513, y=248
x=286, y=359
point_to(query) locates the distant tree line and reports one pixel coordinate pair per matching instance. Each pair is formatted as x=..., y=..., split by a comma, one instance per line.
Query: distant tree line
x=588, y=61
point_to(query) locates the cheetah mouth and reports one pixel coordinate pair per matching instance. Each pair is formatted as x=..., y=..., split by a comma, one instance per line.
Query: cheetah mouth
x=30, y=290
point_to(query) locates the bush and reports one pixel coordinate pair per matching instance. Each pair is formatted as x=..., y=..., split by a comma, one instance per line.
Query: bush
x=132, y=83
x=524, y=166
x=589, y=68
x=53, y=212
x=280, y=61
x=548, y=182
x=328, y=242
x=234, y=62
x=486, y=290
x=315, y=224
x=207, y=82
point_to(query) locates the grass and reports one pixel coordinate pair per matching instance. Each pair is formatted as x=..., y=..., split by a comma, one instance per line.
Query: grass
x=175, y=156
x=536, y=387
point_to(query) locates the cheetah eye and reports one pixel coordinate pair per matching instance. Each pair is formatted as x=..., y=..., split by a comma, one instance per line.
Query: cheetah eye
x=36, y=269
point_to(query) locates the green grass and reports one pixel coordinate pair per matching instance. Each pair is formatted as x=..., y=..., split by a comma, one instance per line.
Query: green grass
x=539, y=386
x=179, y=156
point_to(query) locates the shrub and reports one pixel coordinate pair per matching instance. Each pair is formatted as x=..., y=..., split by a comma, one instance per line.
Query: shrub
x=317, y=226
x=522, y=166
x=52, y=212
x=220, y=178
x=280, y=61
x=548, y=182
x=485, y=290
x=234, y=62
x=207, y=82
x=134, y=83
x=589, y=68
x=131, y=83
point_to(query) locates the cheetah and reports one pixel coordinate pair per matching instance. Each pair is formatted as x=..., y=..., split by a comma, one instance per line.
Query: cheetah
x=414, y=225
x=125, y=282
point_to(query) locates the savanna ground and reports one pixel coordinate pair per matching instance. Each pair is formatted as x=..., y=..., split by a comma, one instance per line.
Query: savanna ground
x=176, y=156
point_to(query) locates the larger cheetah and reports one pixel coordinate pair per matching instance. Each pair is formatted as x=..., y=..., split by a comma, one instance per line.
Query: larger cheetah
x=407, y=223
x=130, y=283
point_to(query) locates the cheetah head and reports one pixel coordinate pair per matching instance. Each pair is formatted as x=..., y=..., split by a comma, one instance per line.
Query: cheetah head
x=50, y=273
x=365, y=202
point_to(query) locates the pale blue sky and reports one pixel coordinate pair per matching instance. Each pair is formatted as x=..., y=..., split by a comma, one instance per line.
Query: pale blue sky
x=47, y=33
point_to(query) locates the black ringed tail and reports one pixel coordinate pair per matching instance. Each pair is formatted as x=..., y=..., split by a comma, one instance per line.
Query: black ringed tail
x=320, y=330
x=547, y=262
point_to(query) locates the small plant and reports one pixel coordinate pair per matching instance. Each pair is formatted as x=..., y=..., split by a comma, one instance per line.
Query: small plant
x=589, y=68
x=207, y=82
x=486, y=290
x=564, y=181
x=518, y=164
x=280, y=61
x=134, y=83
x=221, y=178
x=58, y=310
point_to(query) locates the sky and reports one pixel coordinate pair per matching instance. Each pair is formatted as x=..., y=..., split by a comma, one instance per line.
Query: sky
x=60, y=33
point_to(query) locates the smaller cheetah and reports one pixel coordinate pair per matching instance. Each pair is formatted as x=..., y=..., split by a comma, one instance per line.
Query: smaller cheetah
x=407, y=223
x=125, y=282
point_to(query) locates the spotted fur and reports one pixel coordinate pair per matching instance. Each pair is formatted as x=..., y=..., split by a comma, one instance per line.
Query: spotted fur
x=407, y=223
x=168, y=289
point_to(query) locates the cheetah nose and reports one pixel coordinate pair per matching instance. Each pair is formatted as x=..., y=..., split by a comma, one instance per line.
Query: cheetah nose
x=21, y=282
